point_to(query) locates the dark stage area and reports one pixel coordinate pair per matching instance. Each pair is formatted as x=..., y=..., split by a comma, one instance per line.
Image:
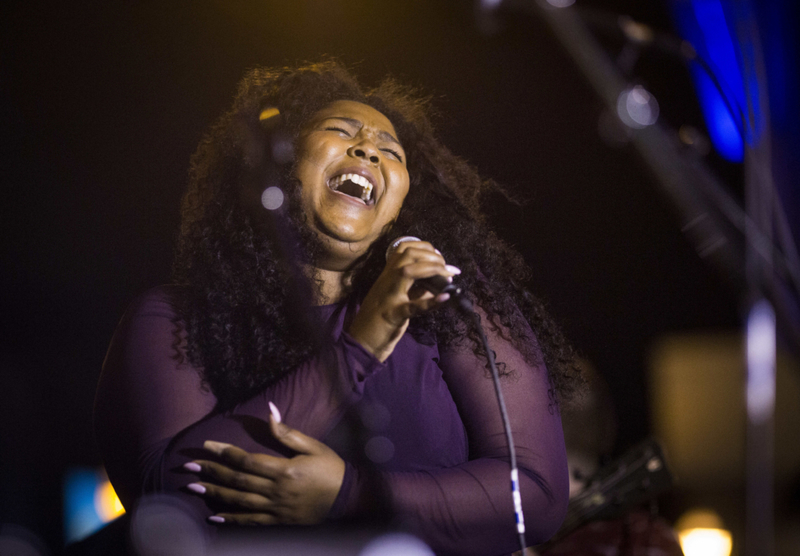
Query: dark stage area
x=103, y=104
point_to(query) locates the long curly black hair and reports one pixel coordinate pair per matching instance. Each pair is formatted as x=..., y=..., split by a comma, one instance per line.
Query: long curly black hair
x=244, y=326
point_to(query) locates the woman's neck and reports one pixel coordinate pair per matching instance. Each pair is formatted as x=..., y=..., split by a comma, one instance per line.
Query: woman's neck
x=334, y=285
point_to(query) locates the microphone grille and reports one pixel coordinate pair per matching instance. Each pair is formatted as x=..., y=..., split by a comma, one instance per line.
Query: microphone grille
x=396, y=243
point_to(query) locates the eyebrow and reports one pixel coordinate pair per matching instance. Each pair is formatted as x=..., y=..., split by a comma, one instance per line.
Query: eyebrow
x=385, y=135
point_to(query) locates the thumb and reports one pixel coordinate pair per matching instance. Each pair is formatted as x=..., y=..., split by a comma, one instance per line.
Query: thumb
x=293, y=438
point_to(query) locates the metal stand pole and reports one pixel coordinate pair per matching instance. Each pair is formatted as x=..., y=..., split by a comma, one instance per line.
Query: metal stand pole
x=741, y=242
x=760, y=390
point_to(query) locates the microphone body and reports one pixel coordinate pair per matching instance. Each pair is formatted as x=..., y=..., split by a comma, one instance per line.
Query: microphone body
x=434, y=284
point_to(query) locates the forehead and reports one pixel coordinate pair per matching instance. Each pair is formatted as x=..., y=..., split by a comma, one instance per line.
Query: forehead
x=351, y=109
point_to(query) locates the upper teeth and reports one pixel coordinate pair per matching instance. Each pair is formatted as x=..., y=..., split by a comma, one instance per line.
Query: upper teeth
x=366, y=185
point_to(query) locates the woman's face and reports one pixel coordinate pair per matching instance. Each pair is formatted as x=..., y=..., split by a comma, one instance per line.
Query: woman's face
x=354, y=178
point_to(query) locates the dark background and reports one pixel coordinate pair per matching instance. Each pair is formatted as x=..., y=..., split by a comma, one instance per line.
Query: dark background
x=103, y=103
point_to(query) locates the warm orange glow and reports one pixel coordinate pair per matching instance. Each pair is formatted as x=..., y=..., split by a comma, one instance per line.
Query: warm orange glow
x=268, y=113
x=701, y=534
x=705, y=542
x=106, y=502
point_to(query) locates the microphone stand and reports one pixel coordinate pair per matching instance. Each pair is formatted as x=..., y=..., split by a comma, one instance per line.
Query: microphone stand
x=739, y=242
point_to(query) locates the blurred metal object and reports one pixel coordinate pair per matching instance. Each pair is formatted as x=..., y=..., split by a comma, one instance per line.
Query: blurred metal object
x=639, y=475
x=762, y=265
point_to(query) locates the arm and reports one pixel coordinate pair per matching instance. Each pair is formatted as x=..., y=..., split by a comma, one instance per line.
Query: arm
x=146, y=394
x=149, y=393
x=468, y=509
x=150, y=400
x=465, y=509
x=313, y=397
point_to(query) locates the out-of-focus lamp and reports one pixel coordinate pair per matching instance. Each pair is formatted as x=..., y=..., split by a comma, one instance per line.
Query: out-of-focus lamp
x=106, y=502
x=701, y=533
x=89, y=502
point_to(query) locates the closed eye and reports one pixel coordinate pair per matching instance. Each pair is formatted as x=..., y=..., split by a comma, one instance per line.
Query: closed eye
x=339, y=129
x=393, y=153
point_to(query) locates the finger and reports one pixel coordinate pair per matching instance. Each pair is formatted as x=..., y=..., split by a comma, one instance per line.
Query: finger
x=422, y=245
x=413, y=254
x=426, y=269
x=295, y=439
x=424, y=304
x=240, y=460
x=261, y=480
x=229, y=453
x=247, y=500
x=245, y=519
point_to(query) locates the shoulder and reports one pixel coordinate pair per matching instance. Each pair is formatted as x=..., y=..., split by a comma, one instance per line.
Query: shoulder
x=160, y=301
x=152, y=318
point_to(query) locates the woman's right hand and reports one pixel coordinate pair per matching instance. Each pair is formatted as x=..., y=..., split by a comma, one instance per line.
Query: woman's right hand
x=385, y=312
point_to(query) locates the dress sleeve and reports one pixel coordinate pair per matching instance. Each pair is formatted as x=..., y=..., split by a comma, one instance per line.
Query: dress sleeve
x=152, y=411
x=147, y=393
x=152, y=414
x=468, y=509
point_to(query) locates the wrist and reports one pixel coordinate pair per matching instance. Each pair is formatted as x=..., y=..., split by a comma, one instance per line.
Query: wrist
x=379, y=343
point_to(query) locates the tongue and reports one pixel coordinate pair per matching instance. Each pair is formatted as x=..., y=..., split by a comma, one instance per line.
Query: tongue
x=350, y=188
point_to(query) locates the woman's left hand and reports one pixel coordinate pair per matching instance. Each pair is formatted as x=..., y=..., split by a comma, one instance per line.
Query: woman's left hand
x=272, y=490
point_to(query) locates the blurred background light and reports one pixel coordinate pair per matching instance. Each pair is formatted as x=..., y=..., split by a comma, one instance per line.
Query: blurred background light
x=106, y=502
x=272, y=198
x=701, y=533
x=637, y=108
x=16, y=540
x=89, y=502
x=761, y=348
x=396, y=544
x=561, y=3
x=704, y=25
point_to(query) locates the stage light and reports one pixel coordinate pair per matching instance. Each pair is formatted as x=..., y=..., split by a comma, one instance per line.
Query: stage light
x=761, y=358
x=703, y=23
x=701, y=533
x=89, y=502
x=272, y=198
x=396, y=544
x=561, y=3
x=107, y=503
x=637, y=108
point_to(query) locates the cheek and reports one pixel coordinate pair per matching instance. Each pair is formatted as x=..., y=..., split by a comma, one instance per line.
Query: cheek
x=402, y=190
x=309, y=168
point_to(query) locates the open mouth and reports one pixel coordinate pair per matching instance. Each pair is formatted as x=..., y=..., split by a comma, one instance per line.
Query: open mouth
x=354, y=185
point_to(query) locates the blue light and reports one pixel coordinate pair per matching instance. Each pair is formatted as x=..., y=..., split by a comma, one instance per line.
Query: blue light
x=703, y=23
x=80, y=516
x=722, y=128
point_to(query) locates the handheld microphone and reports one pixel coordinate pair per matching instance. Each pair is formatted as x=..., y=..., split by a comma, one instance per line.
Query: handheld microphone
x=434, y=284
x=439, y=284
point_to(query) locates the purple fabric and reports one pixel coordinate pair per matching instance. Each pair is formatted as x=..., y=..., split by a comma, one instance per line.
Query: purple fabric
x=434, y=427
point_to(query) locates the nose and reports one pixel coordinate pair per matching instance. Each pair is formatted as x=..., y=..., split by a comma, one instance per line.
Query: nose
x=365, y=150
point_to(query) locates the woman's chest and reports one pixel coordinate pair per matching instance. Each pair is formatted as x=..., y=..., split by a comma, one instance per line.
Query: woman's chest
x=407, y=419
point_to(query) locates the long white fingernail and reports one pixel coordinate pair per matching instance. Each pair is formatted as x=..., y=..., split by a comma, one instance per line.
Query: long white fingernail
x=452, y=269
x=196, y=487
x=193, y=467
x=216, y=518
x=442, y=297
x=275, y=413
x=437, y=251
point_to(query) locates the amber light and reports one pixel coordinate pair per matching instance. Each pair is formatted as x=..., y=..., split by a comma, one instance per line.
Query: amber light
x=701, y=533
x=106, y=502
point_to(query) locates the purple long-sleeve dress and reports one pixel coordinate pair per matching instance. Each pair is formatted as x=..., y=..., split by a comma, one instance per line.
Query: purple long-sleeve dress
x=435, y=432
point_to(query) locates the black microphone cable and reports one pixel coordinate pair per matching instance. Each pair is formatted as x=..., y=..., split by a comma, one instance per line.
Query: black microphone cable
x=437, y=285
